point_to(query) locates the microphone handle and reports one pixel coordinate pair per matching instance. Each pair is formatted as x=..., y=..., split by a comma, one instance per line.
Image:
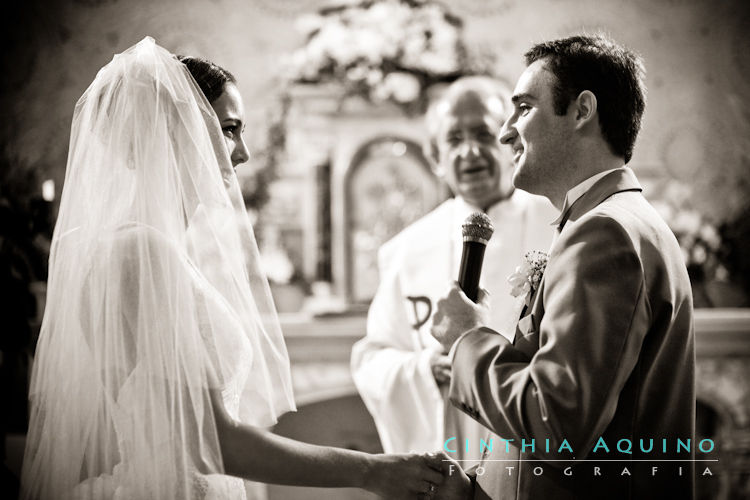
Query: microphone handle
x=471, y=268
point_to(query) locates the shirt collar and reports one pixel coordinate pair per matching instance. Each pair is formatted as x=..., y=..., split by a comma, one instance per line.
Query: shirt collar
x=579, y=190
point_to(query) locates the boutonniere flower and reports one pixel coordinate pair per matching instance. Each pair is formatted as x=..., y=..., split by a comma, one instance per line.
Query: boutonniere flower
x=528, y=275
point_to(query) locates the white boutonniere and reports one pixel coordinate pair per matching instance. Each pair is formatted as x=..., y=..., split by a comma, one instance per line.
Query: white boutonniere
x=528, y=275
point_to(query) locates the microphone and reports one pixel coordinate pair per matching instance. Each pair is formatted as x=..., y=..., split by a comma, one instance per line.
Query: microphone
x=477, y=230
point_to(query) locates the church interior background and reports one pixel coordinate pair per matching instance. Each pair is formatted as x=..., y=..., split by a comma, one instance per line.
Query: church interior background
x=335, y=129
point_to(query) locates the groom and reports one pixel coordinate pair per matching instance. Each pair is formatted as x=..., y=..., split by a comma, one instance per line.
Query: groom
x=604, y=354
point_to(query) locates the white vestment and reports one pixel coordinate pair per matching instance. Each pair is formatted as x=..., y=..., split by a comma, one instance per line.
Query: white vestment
x=391, y=365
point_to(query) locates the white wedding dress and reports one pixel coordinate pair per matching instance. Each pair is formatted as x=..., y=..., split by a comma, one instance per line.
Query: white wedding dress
x=235, y=352
x=156, y=306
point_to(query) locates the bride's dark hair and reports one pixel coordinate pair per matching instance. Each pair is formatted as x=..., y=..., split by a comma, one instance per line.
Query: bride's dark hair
x=211, y=78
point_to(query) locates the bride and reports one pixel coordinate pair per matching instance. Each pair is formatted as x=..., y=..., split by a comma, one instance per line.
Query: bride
x=161, y=358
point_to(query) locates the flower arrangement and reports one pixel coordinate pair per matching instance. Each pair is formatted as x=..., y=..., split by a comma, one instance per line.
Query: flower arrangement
x=699, y=240
x=526, y=278
x=715, y=256
x=384, y=50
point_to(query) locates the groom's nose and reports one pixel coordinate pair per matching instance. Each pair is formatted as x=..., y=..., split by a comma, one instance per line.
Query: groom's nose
x=507, y=133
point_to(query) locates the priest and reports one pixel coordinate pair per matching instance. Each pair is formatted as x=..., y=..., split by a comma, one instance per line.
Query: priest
x=400, y=370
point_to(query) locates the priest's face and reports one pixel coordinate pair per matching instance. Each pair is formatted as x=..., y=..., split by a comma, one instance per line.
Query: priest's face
x=469, y=155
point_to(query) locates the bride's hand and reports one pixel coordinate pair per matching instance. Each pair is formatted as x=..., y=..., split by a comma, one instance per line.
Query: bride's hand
x=405, y=476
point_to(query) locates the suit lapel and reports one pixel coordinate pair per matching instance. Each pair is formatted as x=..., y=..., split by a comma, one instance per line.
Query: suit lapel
x=526, y=335
x=527, y=330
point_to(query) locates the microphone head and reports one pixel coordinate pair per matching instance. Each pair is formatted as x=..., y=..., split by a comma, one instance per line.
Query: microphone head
x=477, y=227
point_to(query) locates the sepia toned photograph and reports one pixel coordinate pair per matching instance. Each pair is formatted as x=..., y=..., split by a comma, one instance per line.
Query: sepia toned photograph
x=361, y=249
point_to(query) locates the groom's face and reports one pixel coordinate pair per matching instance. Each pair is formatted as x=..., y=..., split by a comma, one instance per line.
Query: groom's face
x=539, y=138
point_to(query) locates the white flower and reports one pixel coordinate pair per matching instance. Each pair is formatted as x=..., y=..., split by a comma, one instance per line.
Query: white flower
x=710, y=235
x=305, y=64
x=439, y=63
x=359, y=42
x=370, y=45
x=526, y=278
x=403, y=87
x=519, y=280
x=337, y=38
x=357, y=73
x=374, y=77
x=379, y=92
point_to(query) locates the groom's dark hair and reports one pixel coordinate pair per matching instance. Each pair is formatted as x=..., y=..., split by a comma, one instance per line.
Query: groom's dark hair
x=611, y=72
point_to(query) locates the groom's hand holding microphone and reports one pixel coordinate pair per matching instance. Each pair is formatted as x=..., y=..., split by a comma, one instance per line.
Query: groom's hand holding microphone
x=465, y=306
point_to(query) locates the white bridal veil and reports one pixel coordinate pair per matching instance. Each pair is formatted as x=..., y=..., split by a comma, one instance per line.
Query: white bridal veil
x=155, y=298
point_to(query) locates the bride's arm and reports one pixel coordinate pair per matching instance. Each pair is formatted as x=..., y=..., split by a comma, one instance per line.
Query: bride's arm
x=259, y=455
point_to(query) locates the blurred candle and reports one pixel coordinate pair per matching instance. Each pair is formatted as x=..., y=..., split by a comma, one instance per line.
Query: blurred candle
x=48, y=190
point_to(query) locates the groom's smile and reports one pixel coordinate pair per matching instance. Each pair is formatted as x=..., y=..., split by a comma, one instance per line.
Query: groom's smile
x=517, y=152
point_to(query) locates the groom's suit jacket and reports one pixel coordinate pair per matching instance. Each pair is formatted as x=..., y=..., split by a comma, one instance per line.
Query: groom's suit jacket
x=605, y=350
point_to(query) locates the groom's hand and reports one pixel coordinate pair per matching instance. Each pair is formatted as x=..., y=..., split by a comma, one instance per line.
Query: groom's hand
x=440, y=364
x=456, y=484
x=456, y=314
x=405, y=476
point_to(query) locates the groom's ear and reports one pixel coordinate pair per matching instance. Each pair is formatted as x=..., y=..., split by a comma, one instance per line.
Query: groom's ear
x=585, y=109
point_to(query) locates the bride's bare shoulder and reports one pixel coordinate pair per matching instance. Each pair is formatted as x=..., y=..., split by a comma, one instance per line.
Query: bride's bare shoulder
x=134, y=246
x=135, y=236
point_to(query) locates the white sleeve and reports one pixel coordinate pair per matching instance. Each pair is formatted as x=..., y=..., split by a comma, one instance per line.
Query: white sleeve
x=392, y=372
